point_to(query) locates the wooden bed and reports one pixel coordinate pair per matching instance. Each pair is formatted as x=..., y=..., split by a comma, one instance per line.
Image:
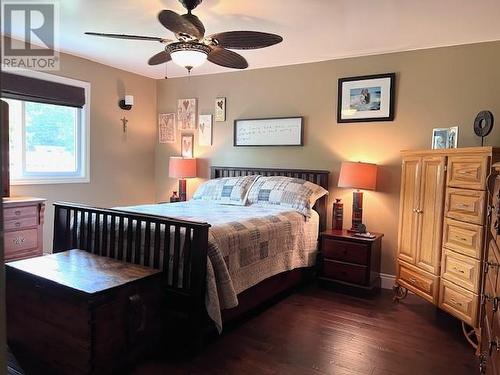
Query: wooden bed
x=186, y=301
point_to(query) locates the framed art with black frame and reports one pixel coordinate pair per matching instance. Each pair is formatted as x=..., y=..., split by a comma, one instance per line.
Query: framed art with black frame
x=366, y=98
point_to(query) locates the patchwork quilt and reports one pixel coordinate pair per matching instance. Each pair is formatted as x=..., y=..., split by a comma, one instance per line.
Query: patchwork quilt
x=246, y=245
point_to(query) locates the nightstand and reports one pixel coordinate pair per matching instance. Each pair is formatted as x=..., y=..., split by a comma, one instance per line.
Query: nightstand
x=350, y=263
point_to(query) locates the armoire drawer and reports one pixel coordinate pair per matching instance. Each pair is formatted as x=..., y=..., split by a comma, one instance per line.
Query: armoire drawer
x=463, y=238
x=460, y=269
x=467, y=172
x=465, y=205
x=459, y=302
x=19, y=224
x=420, y=282
x=19, y=241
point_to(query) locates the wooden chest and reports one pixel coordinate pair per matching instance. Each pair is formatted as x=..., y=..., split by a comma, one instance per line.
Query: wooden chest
x=79, y=313
x=23, y=227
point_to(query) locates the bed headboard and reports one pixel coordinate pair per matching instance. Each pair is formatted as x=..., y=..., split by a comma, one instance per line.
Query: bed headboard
x=318, y=177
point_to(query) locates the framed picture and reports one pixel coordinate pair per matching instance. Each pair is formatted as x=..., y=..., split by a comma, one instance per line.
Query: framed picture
x=187, y=145
x=366, y=98
x=166, y=128
x=186, y=114
x=220, y=109
x=445, y=138
x=205, y=130
x=279, y=131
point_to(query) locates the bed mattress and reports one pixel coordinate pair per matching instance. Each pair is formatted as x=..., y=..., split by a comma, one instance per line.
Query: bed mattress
x=247, y=244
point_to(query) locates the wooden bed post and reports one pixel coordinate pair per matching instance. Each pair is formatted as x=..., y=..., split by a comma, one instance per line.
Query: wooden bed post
x=62, y=233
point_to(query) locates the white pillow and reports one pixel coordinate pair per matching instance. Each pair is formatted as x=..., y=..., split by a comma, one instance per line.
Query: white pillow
x=226, y=190
x=301, y=195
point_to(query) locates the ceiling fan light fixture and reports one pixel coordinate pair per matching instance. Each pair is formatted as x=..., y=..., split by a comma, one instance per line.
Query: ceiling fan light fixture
x=188, y=55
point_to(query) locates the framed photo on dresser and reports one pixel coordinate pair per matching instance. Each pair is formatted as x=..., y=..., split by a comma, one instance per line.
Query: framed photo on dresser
x=366, y=98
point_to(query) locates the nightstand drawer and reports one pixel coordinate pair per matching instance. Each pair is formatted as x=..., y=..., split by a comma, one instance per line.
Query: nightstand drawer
x=345, y=251
x=15, y=213
x=345, y=272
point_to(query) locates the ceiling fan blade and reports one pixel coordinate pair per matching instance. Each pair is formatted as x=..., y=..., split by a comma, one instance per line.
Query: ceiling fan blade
x=246, y=39
x=160, y=58
x=179, y=24
x=131, y=37
x=196, y=22
x=229, y=59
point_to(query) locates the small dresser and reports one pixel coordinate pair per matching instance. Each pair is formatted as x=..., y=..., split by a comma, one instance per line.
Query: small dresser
x=490, y=294
x=350, y=263
x=23, y=227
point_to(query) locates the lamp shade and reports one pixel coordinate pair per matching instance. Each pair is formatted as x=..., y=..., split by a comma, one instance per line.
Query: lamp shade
x=358, y=175
x=181, y=167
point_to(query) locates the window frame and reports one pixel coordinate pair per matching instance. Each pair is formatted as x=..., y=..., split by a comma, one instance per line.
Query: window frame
x=83, y=140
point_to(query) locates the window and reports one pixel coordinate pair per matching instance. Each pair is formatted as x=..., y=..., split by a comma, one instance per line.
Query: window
x=48, y=143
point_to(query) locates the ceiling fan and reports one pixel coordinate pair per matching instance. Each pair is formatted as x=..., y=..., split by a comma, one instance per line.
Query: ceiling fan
x=192, y=48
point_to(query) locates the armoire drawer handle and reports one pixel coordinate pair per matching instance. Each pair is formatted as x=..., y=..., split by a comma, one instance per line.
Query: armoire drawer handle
x=412, y=280
x=463, y=205
x=17, y=212
x=458, y=270
x=17, y=224
x=455, y=302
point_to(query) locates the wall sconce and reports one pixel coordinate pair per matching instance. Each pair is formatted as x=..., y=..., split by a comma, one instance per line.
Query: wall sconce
x=127, y=103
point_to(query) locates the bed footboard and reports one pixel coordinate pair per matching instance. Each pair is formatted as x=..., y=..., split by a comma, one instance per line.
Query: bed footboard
x=177, y=247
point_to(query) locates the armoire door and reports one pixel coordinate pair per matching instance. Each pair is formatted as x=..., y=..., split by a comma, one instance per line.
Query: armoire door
x=430, y=213
x=410, y=194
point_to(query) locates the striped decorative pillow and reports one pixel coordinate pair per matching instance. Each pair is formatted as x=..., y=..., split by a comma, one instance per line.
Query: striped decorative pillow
x=226, y=190
x=295, y=193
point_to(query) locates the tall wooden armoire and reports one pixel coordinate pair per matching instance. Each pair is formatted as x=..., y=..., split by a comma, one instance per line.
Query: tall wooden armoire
x=444, y=212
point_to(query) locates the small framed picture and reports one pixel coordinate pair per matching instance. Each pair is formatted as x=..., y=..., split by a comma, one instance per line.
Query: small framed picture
x=445, y=138
x=205, y=130
x=220, y=109
x=186, y=114
x=166, y=127
x=187, y=145
x=366, y=98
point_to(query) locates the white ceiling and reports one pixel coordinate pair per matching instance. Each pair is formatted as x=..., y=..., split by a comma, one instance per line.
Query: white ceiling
x=313, y=30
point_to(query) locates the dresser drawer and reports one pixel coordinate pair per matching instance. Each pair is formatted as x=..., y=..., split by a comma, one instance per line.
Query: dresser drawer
x=345, y=251
x=418, y=281
x=15, y=213
x=463, y=238
x=468, y=172
x=345, y=272
x=459, y=302
x=18, y=241
x=460, y=269
x=23, y=223
x=465, y=205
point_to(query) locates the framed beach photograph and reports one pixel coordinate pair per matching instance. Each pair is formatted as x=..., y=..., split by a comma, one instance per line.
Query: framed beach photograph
x=187, y=145
x=186, y=114
x=220, y=109
x=445, y=138
x=366, y=98
x=205, y=130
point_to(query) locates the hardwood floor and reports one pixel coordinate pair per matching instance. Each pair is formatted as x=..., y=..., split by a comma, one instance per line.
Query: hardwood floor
x=316, y=331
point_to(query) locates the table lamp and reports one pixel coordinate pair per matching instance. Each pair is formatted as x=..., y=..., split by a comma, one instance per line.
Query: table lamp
x=358, y=176
x=181, y=168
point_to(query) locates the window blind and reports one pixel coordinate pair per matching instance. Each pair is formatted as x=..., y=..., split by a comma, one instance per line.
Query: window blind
x=20, y=87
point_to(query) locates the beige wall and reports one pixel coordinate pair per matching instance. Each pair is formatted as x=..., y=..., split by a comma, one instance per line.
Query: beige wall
x=435, y=88
x=121, y=165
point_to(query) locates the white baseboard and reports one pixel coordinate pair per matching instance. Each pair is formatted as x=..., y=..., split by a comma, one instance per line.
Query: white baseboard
x=387, y=280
